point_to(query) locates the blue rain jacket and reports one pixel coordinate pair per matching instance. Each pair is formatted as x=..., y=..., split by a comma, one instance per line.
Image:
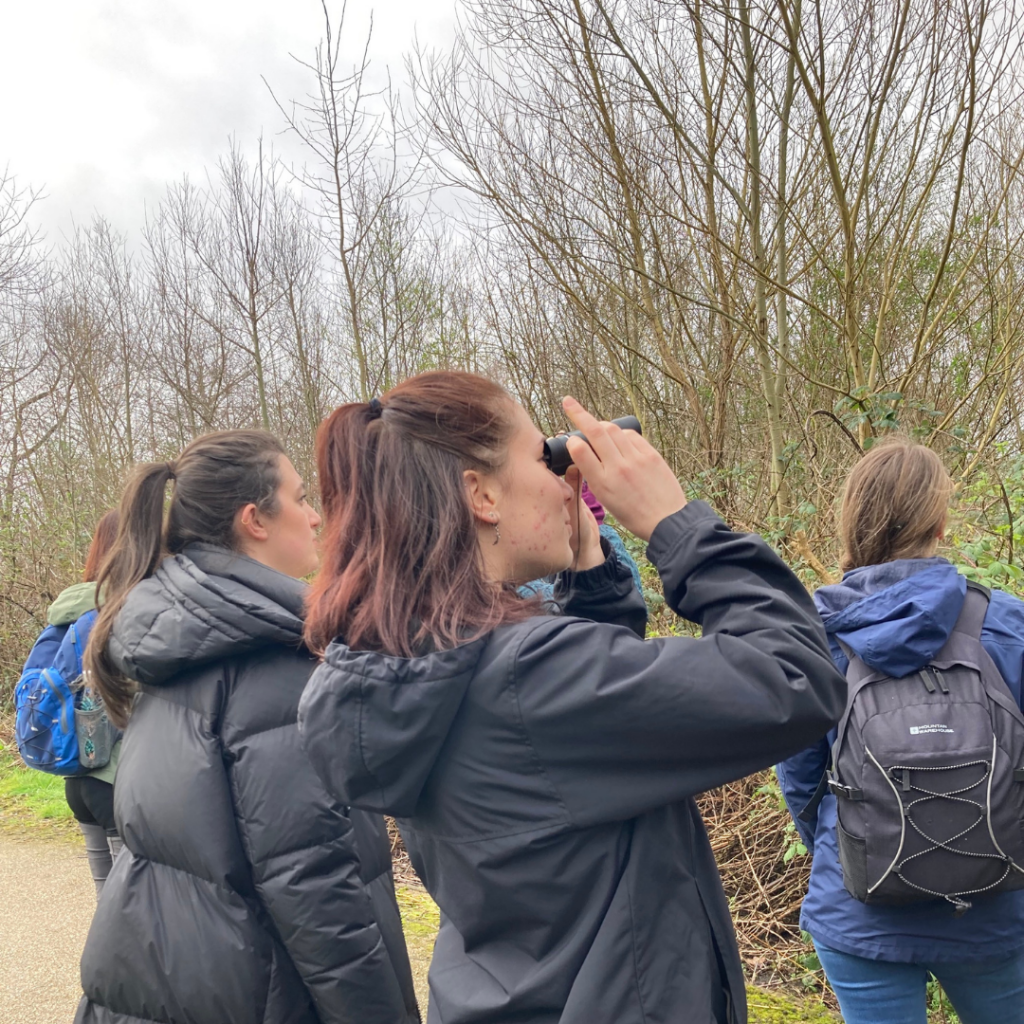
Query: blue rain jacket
x=896, y=616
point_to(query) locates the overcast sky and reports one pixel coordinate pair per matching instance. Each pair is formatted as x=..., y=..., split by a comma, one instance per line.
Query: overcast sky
x=103, y=102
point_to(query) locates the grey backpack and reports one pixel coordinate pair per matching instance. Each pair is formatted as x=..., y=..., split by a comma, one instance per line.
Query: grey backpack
x=928, y=774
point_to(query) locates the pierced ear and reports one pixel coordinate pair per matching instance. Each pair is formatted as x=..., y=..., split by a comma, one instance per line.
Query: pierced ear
x=249, y=523
x=481, y=497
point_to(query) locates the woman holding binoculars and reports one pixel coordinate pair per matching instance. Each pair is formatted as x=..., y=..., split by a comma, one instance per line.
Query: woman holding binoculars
x=543, y=767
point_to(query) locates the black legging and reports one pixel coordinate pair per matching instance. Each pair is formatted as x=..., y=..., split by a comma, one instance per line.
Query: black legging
x=91, y=802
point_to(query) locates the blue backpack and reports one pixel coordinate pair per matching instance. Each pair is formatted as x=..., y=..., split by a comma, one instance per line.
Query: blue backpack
x=46, y=699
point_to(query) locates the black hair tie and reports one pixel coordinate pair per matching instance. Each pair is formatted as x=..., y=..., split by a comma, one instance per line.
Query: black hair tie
x=376, y=409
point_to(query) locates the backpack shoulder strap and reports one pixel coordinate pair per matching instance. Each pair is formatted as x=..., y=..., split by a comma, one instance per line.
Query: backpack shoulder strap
x=975, y=608
x=807, y=815
x=856, y=669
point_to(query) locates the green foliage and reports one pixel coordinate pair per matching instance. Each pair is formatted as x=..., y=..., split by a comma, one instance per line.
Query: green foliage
x=864, y=406
x=883, y=412
x=940, y=1009
x=814, y=975
x=792, y=844
x=987, y=537
x=772, y=790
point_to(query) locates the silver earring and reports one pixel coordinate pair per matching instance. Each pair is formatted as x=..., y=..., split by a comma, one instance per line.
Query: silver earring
x=497, y=533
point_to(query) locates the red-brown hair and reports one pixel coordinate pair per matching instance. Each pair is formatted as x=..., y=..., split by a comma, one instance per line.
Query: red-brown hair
x=102, y=542
x=401, y=569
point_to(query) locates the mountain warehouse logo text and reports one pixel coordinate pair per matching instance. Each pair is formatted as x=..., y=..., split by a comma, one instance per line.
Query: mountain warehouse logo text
x=919, y=730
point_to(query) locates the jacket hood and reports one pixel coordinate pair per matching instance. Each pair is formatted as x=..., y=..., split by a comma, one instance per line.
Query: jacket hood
x=202, y=605
x=895, y=616
x=72, y=604
x=373, y=724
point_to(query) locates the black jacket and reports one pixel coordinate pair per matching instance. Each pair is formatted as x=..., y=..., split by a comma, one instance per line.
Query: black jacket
x=543, y=779
x=245, y=893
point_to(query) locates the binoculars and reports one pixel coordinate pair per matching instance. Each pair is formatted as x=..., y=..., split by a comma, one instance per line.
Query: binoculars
x=556, y=451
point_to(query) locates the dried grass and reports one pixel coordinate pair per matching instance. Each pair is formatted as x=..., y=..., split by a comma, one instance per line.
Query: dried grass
x=750, y=832
x=404, y=871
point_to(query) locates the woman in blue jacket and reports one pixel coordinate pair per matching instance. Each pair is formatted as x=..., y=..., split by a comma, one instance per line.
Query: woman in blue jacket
x=895, y=608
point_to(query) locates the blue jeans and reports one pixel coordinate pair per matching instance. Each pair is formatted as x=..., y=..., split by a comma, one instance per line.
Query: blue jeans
x=879, y=992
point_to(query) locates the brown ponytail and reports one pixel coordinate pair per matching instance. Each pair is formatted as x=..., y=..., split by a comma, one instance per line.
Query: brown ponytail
x=214, y=477
x=894, y=504
x=401, y=566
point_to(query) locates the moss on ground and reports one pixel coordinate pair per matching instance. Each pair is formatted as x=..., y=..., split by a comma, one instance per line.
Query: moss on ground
x=777, y=1008
x=420, y=918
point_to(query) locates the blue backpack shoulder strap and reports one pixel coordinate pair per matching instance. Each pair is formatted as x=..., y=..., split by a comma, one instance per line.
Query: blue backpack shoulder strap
x=68, y=660
x=856, y=670
x=83, y=627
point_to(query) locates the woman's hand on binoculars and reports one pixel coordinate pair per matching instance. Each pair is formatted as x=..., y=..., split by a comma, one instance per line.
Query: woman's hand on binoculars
x=627, y=475
x=586, y=534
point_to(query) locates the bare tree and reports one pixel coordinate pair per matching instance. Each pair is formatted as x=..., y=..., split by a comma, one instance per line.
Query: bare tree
x=360, y=175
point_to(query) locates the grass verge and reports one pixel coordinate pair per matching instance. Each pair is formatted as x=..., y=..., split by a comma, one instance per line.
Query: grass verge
x=32, y=803
x=420, y=919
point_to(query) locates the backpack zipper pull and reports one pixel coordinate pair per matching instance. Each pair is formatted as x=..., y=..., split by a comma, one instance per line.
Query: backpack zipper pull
x=928, y=684
x=937, y=676
x=961, y=906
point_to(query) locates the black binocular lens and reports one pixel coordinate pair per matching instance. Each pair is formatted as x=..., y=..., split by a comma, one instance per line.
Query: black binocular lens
x=556, y=451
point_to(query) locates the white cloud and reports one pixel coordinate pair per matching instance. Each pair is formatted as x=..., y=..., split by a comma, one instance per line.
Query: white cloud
x=106, y=101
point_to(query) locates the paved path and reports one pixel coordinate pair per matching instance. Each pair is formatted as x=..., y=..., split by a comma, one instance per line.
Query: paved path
x=46, y=903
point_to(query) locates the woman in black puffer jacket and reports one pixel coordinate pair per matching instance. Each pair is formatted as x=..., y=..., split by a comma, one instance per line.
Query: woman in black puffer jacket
x=244, y=893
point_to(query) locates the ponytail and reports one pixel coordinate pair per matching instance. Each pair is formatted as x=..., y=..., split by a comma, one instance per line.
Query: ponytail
x=134, y=555
x=401, y=569
x=213, y=478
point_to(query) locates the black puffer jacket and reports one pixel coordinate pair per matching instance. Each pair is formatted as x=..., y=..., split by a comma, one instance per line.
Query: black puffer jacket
x=245, y=893
x=543, y=779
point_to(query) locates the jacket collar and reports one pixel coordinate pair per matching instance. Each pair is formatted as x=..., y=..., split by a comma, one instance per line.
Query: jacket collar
x=896, y=616
x=204, y=604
